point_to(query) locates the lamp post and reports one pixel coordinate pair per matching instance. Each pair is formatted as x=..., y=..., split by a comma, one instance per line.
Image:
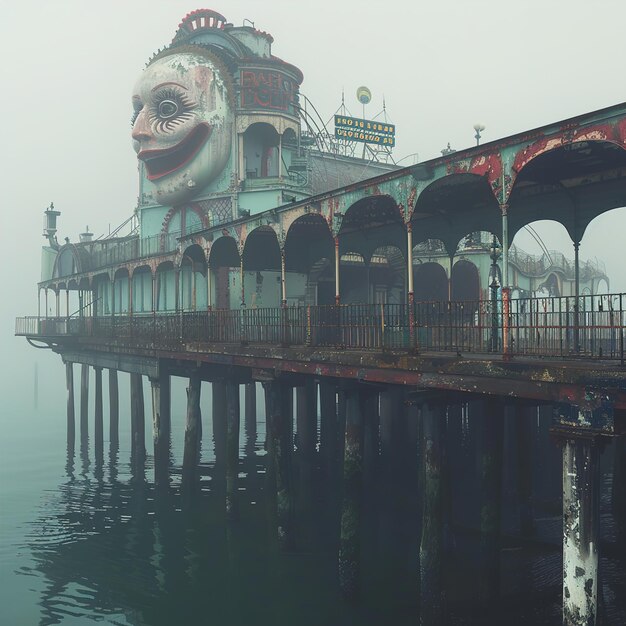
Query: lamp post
x=494, y=286
x=478, y=128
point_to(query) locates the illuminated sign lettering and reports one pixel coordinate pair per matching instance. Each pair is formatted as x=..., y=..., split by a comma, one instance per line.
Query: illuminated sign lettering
x=366, y=131
x=370, y=131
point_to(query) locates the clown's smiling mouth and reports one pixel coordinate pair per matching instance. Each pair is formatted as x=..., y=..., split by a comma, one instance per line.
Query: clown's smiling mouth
x=160, y=163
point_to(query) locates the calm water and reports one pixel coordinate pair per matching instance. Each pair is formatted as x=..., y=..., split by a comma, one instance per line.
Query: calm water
x=84, y=542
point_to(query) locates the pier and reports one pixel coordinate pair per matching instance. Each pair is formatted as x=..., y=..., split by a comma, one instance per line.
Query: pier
x=382, y=320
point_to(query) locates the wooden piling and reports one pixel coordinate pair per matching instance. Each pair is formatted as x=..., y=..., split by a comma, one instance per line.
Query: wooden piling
x=431, y=543
x=371, y=439
x=71, y=418
x=581, y=521
x=219, y=424
x=250, y=409
x=232, y=449
x=278, y=397
x=161, y=427
x=350, y=541
x=84, y=404
x=191, y=454
x=525, y=420
x=329, y=437
x=98, y=419
x=137, y=420
x=619, y=492
x=114, y=409
x=492, y=431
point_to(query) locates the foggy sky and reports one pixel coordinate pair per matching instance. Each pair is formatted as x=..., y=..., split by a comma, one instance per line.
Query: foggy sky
x=68, y=68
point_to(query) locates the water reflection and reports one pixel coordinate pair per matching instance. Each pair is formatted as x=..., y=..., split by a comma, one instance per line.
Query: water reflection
x=110, y=545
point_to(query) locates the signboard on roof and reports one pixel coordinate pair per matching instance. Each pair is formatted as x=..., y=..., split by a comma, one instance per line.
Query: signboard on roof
x=366, y=131
x=267, y=89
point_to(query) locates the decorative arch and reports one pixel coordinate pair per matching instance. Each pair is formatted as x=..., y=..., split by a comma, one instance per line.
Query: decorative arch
x=385, y=225
x=166, y=283
x=142, y=289
x=261, y=250
x=69, y=261
x=180, y=221
x=308, y=239
x=261, y=153
x=224, y=254
x=465, y=282
x=454, y=205
x=387, y=275
x=549, y=164
x=430, y=283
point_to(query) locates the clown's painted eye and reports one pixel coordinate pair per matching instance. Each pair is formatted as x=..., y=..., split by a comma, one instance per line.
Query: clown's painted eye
x=170, y=108
x=167, y=108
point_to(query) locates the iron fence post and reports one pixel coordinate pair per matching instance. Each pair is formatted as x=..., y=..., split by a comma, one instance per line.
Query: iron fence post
x=506, y=308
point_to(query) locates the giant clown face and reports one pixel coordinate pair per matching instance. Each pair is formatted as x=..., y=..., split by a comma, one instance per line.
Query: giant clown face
x=182, y=125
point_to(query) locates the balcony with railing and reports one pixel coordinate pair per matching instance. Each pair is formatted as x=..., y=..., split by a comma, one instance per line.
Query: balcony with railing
x=590, y=327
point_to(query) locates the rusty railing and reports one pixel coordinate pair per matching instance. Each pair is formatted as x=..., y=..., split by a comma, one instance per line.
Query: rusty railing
x=588, y=327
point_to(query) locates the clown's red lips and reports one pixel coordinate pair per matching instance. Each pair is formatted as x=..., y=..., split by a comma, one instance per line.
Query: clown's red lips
x=160, y=163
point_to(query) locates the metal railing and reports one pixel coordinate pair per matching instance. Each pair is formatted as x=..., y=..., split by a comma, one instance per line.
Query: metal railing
x=586, y=327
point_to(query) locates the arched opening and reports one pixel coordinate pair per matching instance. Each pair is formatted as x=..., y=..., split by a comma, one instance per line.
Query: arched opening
x=430, y=282
x=193, y=283
x=309, y=260
x=542, y=248
x=66, y=263
x=262, y=268
x=142, y=290
x=104, y=293
x=260, y=151
x=454, y=205
x=121, y=291
x=224, y=262
x=354, y=280
x=566, y=184
x=465, y=283
x=181, y=221
x=385, y=226
x=166, y=287
x=387, y=276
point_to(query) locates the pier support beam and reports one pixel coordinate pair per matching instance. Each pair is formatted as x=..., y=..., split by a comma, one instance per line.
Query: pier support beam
x=98, y=420
x=525, y=420
x=491, y=434
x=278, y=398
x=250, y=409
x=232, y=449
x=328, y=426
x=71, y=418
x=619, y=491
x=114, y=409
x=431, y=544
x=350, y=542
x=219, y=424
x=84, y=404
x=161, y=427
x=581, y=520
x=137, y=420
x=191, y=454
